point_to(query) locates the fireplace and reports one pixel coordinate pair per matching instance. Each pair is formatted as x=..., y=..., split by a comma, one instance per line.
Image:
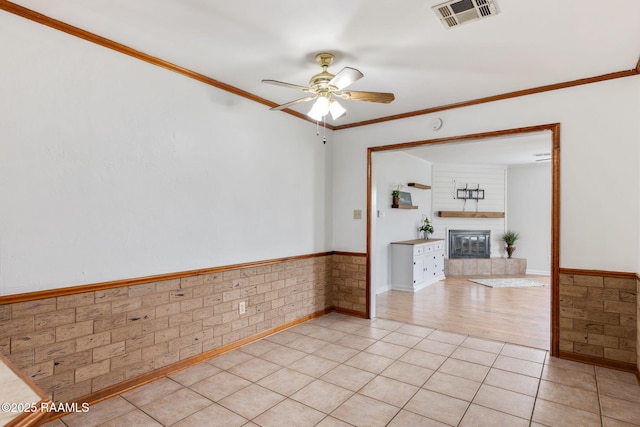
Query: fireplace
x=469, y=243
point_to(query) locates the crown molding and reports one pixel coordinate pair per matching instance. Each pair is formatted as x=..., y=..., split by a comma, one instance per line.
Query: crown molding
x=126, y=50
x=110, y=44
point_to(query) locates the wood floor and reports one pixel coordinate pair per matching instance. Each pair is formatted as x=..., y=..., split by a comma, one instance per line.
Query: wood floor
x=516, y=315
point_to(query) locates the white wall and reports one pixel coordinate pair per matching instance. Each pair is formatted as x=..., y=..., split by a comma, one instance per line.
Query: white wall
x=529, y=213
x=112, y=168
x=389, y=170
x=599, y=164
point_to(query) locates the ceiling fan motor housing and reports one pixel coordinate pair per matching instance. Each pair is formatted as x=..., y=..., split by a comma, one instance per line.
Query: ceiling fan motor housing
x=320, y=82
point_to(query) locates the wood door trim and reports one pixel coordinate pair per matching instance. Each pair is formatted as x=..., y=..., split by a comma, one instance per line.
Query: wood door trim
x=555, y=241
x=554, y=128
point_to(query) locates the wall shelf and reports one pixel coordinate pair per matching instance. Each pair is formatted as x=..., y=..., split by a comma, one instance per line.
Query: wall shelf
x=421, y=186
x=458, y=214
x=404, y=207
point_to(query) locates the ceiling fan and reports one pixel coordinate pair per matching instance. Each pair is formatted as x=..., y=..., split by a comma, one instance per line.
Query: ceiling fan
x=326, y=88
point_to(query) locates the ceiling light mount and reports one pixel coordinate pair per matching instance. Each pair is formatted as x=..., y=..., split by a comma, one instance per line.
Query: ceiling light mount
x=325, y=59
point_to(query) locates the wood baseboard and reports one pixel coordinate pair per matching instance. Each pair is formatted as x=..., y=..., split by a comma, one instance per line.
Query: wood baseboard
x=349, y=312
x=597, y=361
x=141, y=380
x=360, y=254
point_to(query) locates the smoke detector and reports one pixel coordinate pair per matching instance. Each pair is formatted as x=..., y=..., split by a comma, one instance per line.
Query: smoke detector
x=457, y=12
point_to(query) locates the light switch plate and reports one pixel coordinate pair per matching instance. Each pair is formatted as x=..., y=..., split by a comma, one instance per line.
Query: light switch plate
x=357, y=214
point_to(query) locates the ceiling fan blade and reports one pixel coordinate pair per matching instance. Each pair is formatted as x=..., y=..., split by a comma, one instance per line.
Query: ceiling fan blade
x=383, y=97
x=345, y=77
x=292, y=103
x=289, y=85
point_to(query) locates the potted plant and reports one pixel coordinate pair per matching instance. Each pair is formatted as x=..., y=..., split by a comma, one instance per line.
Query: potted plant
x=426, y=227
x=510, y=238
x=396, y=195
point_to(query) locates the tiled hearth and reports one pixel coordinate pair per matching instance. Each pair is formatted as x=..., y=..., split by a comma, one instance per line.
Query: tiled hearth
x=485, y=267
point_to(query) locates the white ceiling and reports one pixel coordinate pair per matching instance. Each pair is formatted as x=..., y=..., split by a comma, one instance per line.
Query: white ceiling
x=511, y=150
x=399, y=45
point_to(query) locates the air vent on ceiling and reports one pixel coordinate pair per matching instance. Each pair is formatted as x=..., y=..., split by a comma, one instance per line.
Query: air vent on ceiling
x=457, y=12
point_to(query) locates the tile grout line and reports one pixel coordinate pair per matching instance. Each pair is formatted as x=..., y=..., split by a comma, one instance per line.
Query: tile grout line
x=535, y=399
x=423, y=384
x=503, y=344
x=377, y=340
x=481, y=383
x=595, y=375
x=458, y=346
x=380, y=374
x=449, y=357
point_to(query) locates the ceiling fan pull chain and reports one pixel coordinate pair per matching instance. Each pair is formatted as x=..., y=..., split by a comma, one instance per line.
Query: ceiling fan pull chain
x=324, y=125
x=317, y=128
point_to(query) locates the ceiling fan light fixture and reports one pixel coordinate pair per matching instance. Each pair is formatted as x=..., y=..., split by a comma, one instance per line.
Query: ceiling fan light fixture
x=320, y=108
x=336, y=109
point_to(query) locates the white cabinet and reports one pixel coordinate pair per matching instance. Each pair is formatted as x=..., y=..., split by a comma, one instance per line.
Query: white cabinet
x=416, y=263
x=438, y=260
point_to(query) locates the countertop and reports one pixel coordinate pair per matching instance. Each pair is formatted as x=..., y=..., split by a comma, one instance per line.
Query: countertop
x=417, y=241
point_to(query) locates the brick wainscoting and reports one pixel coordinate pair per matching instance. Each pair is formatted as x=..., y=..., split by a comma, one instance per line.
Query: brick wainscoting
x=349, y=280
x=598, y=318
x=77, y=344
x=87, y=343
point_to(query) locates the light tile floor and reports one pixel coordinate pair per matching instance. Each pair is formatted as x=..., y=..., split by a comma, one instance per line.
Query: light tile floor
x=338, y=370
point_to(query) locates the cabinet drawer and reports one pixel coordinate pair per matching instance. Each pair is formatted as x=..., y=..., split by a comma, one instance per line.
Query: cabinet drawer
x=438, y=246
x=428, y=249
x=418, y=250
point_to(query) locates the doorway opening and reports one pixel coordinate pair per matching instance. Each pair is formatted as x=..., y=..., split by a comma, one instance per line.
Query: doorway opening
x=375, y=251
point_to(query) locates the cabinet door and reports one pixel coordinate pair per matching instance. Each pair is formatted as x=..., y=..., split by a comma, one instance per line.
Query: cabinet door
x=418, y=269
x=438, y=263
x=429, y=265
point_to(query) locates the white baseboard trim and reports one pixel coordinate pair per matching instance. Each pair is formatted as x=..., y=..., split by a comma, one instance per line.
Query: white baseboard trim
x=383, y=289
x=539, y=272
